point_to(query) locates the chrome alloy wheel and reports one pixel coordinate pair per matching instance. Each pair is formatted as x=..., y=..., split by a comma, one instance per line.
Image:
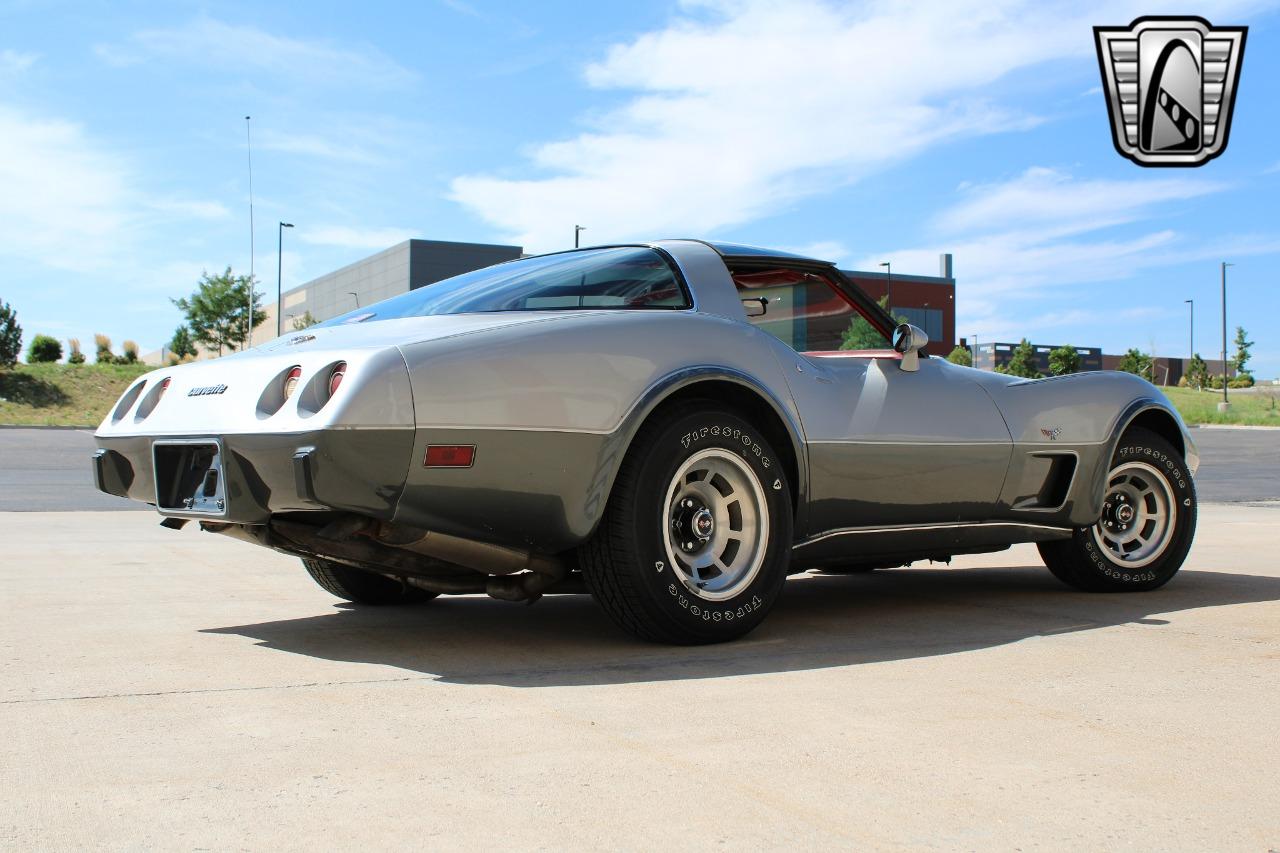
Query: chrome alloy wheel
x=715, y=524
x=1138, y=515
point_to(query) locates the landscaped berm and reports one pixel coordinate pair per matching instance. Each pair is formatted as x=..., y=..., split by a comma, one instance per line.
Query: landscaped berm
x=63, y=394
x=81, y=395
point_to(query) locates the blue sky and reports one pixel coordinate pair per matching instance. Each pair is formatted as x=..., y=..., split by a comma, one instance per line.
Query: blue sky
x=861, y=132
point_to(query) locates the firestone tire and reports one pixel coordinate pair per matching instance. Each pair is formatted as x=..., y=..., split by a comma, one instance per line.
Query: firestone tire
x=360, y=587
x=695, y=541
x=1148, y=522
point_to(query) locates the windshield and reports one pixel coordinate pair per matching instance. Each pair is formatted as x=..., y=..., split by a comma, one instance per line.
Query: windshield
x=626, y=278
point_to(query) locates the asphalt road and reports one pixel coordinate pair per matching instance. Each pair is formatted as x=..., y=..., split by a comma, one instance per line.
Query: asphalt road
x=48, y=470
x=180, y=690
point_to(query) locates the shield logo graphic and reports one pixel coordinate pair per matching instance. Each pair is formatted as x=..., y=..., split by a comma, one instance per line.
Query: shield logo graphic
x=1170, y=85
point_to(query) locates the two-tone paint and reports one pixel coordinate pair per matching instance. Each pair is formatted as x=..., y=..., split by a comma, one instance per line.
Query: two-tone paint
x=883, y=462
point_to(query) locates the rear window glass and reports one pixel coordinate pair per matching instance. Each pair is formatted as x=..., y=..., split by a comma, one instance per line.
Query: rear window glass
x=627, y=278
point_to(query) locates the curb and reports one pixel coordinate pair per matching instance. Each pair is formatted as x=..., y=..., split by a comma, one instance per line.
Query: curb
x=1233, y=426
x=44, y=426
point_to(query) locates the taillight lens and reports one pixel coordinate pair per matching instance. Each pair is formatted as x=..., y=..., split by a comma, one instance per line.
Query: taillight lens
x=335, y=377
x=164, y=386
x=291, y=381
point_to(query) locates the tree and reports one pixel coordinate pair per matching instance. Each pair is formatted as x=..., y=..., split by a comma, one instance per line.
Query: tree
x=1242, y=355
x=102, y=344
x=961, y=355
x=1136, y=361
x=1064, y=360
x=44, y=349
x=1197, y=372
x=304, y=322
x=181, y=344
x=10, y=336
x=1022, y=362
x=217, y=311
x=130, y=353
x=75, y=356
x=861, y=334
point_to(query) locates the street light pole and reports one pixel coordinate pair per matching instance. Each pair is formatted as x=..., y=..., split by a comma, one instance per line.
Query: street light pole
x=248, y=321
x=279, y=278
x=888, y=283
x=1225, y=404
x=1191, y=334
x=975, y=350
x=577, y=229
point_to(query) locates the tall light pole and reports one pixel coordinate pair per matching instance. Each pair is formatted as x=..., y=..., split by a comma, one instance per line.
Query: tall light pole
x=279, y=277
x=1191, y=333
x=1225, y=404
x=975, y=350
x=248, y=322
x=577, y=229
x=888, y=283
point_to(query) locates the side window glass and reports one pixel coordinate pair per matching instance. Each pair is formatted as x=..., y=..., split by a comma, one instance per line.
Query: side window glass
x=806, y=312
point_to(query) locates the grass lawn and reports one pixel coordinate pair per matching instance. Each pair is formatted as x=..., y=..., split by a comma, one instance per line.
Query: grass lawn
x=1252, y=407
x=81, y=395
x=63, y=394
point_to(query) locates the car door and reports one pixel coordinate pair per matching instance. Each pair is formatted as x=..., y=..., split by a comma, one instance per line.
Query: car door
x=886, y=446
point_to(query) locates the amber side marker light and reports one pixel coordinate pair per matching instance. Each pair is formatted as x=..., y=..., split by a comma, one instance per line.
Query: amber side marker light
x=450, y=456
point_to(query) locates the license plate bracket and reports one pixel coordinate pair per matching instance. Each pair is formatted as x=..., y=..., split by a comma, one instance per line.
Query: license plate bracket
x=189, y=477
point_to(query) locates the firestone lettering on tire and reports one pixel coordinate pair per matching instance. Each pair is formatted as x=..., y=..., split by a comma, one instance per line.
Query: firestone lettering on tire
x=737, y=435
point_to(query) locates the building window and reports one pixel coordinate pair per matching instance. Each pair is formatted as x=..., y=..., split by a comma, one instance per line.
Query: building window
x=929, y=320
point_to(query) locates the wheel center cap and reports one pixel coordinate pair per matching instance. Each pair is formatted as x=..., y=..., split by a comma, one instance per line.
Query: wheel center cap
x=1124, y=514
x=703, y=524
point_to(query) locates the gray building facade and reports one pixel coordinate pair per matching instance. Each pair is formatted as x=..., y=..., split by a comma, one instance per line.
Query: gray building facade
x=405, y=266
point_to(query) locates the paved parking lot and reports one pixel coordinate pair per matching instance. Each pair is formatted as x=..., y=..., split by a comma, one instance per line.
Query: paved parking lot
x=171, y=690
x=48, y=469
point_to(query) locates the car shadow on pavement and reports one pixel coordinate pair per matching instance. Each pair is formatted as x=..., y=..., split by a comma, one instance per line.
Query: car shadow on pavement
x=821, y=621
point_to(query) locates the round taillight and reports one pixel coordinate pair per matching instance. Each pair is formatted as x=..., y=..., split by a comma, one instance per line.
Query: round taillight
x=335, y=377
x=291, y=381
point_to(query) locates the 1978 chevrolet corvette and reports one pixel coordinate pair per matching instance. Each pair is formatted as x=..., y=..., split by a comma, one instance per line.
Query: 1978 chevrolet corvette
x=674, y=427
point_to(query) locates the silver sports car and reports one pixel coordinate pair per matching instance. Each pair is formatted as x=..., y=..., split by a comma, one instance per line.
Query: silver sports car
x=673, y=426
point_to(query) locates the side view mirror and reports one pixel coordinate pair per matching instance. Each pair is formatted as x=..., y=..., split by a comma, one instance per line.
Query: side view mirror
x=756, y=306
x=909, y=340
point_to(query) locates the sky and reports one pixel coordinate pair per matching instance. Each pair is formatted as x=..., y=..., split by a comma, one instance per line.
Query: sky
x=856, y=132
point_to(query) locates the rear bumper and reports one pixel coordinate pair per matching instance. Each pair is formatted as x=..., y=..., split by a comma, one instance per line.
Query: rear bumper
x=356, y=470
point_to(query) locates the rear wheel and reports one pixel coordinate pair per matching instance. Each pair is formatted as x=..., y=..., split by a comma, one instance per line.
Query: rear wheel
x=695, y=540
x=1147, y=524
x=362, y=587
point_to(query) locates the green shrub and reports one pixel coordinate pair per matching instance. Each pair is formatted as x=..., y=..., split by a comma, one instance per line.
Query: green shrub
x=44, y=348
x=961, y=355
x=75, y=356
x=102, y=344
x=10, y=336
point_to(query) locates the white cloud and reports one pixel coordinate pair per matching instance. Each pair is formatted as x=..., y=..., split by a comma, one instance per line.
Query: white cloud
x=1034, y=236
x=70, y=203
x=15, y=62
x=1051, y=198
x=310, y=145
x=354, y=238
x=738, y=108
x=229, y=47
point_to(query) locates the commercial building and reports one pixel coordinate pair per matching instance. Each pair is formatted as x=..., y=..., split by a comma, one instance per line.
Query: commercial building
x=1165, y=370
x=925, y=301
x=405, y=266
x=997, y=354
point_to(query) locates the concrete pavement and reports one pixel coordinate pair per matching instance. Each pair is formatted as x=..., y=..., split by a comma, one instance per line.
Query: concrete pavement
x=179, y=690
x=47, y=470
